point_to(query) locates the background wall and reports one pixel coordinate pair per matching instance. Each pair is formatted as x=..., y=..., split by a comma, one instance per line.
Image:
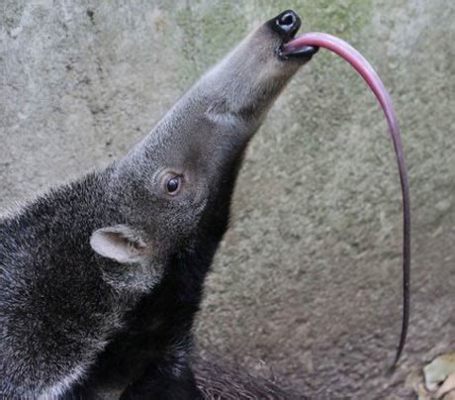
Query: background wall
x=308, y=279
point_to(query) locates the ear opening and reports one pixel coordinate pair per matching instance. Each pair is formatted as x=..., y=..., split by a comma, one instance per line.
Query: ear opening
x=119, y=243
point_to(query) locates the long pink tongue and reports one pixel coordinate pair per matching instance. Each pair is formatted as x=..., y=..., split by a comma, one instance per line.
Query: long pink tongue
x=363, y=67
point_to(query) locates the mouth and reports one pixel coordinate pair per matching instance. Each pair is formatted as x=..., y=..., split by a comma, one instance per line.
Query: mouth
x=287, y=25
x=303, y=53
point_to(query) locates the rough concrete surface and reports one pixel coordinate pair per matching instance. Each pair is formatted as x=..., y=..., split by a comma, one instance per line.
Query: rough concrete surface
x=308, y=279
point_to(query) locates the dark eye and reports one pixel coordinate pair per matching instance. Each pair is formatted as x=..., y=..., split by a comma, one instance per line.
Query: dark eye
x=173, y=184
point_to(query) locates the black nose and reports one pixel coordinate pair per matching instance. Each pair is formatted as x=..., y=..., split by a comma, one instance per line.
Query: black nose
x=286, y=24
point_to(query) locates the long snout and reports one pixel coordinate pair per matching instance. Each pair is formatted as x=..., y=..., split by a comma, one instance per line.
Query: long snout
x=226, y=106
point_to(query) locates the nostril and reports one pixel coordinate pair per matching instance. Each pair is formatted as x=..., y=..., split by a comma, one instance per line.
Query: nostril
x=286, y=21
x=286, y=24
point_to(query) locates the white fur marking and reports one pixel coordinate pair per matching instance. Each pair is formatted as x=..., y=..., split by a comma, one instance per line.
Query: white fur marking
x=55, y=391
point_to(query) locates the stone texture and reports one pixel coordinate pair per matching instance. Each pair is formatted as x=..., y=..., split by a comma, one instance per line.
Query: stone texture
x=308, y=279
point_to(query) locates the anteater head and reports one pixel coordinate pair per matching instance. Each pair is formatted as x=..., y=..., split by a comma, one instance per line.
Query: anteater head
x=174, y=187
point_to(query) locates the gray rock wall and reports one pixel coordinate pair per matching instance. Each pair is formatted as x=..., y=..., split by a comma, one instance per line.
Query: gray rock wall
x=308, y=279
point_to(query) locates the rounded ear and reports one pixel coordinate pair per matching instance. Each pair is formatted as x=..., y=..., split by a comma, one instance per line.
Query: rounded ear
x=119, y=243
